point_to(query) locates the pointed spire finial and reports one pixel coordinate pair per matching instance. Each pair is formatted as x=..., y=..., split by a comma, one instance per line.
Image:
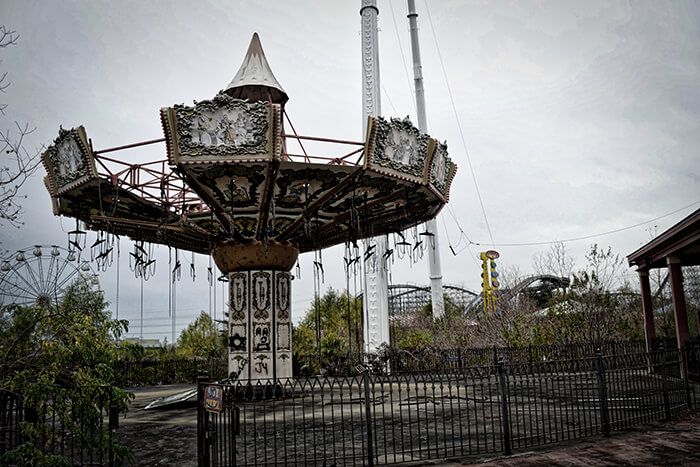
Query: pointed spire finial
x=255, y=80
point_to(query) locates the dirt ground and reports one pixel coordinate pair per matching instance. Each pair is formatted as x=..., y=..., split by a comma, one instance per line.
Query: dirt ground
x=168, y=437
x=163, y=437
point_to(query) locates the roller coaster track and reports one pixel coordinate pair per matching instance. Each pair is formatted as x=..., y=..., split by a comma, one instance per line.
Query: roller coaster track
x=505, y=294
x=555, y=281
x=406, y=299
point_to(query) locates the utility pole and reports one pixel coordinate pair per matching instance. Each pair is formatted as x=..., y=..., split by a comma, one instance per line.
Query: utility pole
x=435, y=268
x=376, y=296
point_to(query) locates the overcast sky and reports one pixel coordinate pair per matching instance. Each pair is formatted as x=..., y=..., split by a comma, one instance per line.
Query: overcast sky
x=579, y=118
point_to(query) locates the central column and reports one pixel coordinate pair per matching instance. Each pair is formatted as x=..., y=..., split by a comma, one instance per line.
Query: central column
x=259, y=317
x=376, y=298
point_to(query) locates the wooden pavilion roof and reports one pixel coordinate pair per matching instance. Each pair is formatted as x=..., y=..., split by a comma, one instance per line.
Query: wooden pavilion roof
x=682, y=240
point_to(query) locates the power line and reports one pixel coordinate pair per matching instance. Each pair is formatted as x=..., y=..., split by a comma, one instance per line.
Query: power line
x=459, y=125
x=586, y=237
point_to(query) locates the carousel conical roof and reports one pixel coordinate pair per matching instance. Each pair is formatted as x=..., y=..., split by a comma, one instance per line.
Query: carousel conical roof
x=255, y=80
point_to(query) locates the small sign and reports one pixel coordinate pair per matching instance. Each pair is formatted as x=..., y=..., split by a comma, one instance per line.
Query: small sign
x=213, y=398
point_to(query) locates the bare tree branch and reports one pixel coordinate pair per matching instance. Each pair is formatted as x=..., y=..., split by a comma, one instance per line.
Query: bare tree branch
x=7, y=37
x=17, y=164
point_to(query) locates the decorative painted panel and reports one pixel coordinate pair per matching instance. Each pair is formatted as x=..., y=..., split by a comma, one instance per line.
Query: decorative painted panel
x=238, y=295
x=282, y=286
x=222, y=129
x=261, y=294
x=68, y=161
x=283, y=324
x=442, y=171
x=397, y=148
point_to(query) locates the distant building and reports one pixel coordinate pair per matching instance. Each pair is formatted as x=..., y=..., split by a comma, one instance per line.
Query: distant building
x=146, y=343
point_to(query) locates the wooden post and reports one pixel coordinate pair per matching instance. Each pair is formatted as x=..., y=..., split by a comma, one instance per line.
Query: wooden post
x=678, y=298
x=647, y=309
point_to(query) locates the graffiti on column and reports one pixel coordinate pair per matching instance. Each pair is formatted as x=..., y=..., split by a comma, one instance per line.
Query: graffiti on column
x=260, y=366
x=241, y=362
x=261, y=337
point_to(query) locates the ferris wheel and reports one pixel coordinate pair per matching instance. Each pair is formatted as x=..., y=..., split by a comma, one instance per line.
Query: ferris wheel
x=40, y=275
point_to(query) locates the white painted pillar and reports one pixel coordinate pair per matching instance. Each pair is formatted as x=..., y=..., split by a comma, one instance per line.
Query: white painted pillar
x=376, y=296
x=433, y=241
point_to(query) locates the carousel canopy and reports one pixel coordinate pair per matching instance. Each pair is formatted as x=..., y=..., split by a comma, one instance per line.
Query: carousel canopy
x=229, y=176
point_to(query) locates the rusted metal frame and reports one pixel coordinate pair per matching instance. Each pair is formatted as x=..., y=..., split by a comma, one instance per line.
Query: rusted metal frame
x=118, y=162
x=325, y=140
x=309, y=158
x=273, y=170
x=331, y=160
x=172, y=190
x=129, y=146
x=366, y=207
x=334, y=160
x=359, y=159
x=342, y=217
x=330, y=240
x=151, y=225
x=295, y=133
x=352, y=153
x=109, y=173
x=142, y=191
x=133, y=172
x=130, y=168
x=316, y=205
x=226, y=224
x=186, y=238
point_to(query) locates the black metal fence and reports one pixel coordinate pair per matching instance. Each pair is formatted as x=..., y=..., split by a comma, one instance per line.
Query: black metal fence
x=152, y=372
x=131, y=373
x=83, y=436
x=436, y=359
x=693, y=349
x=372, y=419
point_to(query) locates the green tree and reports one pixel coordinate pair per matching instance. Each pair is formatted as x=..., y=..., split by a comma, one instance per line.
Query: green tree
x=60, y=361
x=201, y=339
x=331, y=326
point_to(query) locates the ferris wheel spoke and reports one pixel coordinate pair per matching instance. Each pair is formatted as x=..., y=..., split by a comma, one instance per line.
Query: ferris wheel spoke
x=16, y=288
x=65, y=279
x=40, y=275
x=27, y=298
x=33, y=276
x=64, y=266
x=52, y=262
x=22, y=278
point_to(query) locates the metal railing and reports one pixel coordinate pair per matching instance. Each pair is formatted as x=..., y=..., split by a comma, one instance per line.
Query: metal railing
x=152, y=372
x=437, y=359
x=82, y=435
x=156, y=372
x=373, y=419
